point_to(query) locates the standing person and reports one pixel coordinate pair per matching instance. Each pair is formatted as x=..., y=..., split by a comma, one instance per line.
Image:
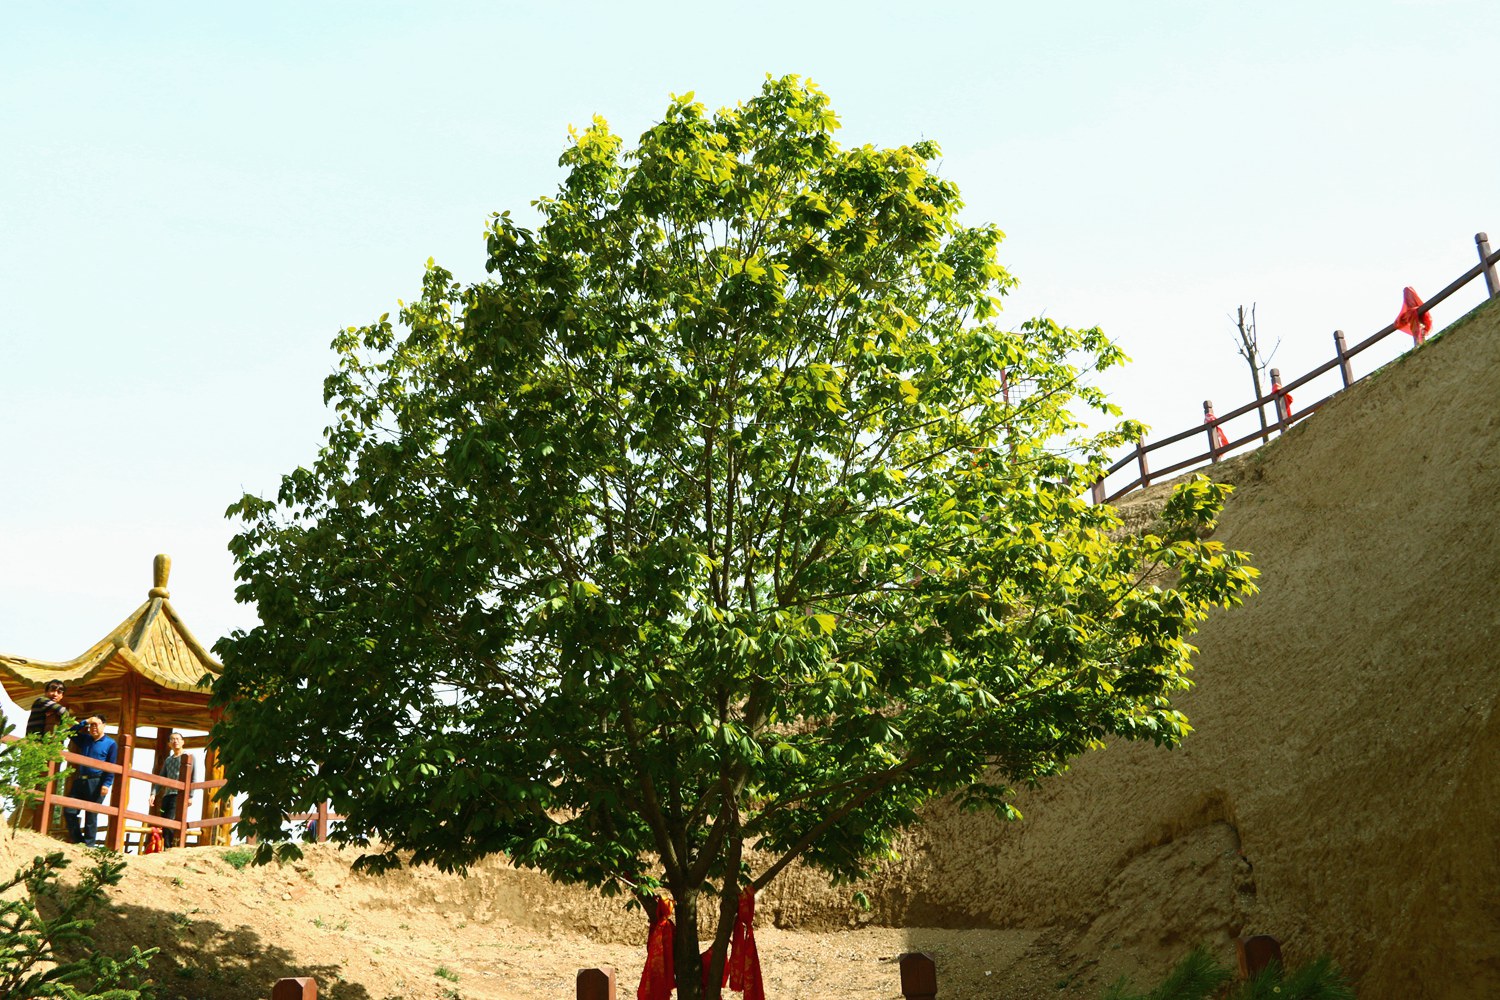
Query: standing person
x=90, y=783
x=47, y=711
x=178, y=766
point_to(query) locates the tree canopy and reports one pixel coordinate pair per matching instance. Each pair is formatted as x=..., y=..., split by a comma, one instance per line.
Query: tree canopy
x=723, y=513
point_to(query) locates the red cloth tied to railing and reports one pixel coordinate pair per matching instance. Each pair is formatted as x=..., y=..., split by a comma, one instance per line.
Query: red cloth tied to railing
x=1407, y=320
x=658, y=978
x=1218, y=432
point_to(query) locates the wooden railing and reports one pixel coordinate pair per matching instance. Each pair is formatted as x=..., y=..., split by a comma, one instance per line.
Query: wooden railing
x=117, y=810
x=1139, y=459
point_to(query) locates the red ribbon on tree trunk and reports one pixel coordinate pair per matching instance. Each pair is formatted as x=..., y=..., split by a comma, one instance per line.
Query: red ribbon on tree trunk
x=743, y=967
x=658, y=978
x=1407, y=320
x=741, y=970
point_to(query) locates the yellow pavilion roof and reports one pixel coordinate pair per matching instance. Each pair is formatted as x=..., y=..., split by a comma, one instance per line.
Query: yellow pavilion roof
x=152, y=650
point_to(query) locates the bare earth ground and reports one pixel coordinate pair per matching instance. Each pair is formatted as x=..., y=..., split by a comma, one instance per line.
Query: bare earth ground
x=1341, y=792
x=504, y=935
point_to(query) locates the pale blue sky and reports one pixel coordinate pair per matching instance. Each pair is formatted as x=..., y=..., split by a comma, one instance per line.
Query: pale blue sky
x=193, y=200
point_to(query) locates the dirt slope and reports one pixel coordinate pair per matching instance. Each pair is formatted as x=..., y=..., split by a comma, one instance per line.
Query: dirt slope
x=1347, y=739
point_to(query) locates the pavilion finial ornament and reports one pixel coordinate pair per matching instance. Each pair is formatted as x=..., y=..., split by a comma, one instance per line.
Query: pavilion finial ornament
x=161, y=569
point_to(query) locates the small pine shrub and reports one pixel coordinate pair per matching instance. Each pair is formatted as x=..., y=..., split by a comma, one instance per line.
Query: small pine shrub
x=46, y=948
x=1200, y=977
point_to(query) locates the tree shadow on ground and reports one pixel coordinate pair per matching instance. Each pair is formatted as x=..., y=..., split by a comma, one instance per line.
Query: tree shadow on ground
x=201, y=959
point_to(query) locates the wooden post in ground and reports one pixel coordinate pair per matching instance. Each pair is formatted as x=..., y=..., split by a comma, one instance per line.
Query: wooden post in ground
x=1342, y=350
x=597, y=984
x=1099, y=490
x=130, y=713
x=212, y=809
x=1140, y=460
x=1482, y=241
x=1255, y=953
x=918, y=976
x=302, y=988
x=1283, y=408
x=1213, y=429
x=42, y=823
x=119, y=797
x=322, y=821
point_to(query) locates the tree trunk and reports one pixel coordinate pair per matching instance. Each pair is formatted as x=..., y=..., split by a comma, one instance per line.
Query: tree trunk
x=1260, y=408
x=686, y=955
x=689, y=967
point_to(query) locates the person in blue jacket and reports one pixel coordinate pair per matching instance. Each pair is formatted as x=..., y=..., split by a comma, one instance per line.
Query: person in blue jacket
x=89, y=783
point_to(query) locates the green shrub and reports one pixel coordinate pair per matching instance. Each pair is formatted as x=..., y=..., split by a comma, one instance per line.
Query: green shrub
x=1200, y=977
x=239, y=857
x=46, y=949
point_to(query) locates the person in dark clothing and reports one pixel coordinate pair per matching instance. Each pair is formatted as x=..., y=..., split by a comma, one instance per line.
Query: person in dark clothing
x=47, y=711
x=90, y=783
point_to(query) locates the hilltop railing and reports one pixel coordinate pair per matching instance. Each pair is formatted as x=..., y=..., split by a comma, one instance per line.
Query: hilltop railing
x=117, y=810
x=1279, y=398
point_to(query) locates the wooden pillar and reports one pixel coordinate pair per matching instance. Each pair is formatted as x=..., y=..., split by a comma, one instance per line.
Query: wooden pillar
x=130, y=711
x=1256, y=953
x=1342, y=350
x=1279, y=400
x=1213, y=429
x=597, y=984
x=1482, y=241
x=163, y=733
x=212, y=835
x=301, y=988
x=1140, y=460
x=42, y=822
x=918, y=976
x=322, y=821
x=119, y=796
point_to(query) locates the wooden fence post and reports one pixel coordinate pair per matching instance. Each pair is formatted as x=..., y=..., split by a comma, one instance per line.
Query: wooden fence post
x=1342, y=350
x=1099, y=490
x=1212, y=423
x=1482, y=241
x=918, y=976
x=1255, y=953
x=304, y=988
x=1283, y=408
x=1140, y=460
x=597, y=984
x=43, y=822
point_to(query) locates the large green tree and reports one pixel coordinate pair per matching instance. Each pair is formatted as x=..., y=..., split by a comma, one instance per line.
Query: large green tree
x=723, y=514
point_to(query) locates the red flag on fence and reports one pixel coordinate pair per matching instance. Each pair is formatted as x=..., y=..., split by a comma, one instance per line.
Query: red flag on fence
x=1407, y=320
x=658, y=978
x=1218, y=432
